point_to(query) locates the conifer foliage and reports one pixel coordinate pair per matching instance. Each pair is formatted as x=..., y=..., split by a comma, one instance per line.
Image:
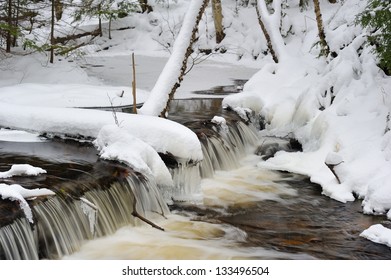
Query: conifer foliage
x=377, y=18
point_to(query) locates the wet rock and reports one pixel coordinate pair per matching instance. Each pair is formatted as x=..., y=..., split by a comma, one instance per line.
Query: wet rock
x=271, y=145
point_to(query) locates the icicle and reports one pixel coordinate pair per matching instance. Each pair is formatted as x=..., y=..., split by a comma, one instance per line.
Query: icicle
x=91, y=211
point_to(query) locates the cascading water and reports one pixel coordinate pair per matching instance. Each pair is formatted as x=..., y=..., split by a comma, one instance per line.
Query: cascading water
x=66, y=221
x=18, y=241
x=87, y=209
x=223, y=145
x=222, y=148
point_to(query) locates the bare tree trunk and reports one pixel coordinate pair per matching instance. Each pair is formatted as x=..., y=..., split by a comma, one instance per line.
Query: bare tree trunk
x=145, y=7
x=110, y=19
x=16, y=23
x=9, y=22
x=323, y=43
x=174, y=71
x=267, y=36
x=52, y=34
x=100, y=20
x=218, y=20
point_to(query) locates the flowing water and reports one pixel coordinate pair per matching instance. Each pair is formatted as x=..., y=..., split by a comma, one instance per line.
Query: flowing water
x=93, y=199
x=226, y=207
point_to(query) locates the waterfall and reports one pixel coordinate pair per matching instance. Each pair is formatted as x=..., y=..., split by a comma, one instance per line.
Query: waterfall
x=222, y=150
x=187, y=179
x=89, y=208
x=18, y=241
x=63, y=224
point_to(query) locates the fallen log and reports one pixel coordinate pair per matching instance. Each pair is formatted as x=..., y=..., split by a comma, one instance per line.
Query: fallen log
x=63, y=40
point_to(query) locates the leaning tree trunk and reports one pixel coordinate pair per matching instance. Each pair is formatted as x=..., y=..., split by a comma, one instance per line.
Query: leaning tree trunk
x=218, y=20
x=271, y=26
x=267, y=36
x=322, y=37
x=175, y=68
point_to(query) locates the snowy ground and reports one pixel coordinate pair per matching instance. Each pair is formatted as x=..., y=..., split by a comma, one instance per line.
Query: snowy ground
x=339, y=109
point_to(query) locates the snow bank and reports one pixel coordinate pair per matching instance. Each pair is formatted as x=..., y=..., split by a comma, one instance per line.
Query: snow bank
x=338, y=108
x=35, y=68
x=378, y=234
x=70, y=95
x=116, y=143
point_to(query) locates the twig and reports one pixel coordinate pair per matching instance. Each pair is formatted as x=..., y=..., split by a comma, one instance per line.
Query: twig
x=145, y=220
x=113, y=111
x=85, y=201
x=89, y=203
x=331, y=167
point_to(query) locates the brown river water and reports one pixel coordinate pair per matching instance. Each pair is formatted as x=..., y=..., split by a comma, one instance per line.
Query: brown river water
x=243, y=212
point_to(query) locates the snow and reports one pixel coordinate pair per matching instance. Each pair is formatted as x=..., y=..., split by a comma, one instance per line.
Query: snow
x=70, y=95
x=333, y=159
x=272, y=25
x=22, y=170
x=338, y=108
x=378, y=234
x=163, y=135
x=115, y=143
x=221, y=122
x=10, y=135
x=17, y=193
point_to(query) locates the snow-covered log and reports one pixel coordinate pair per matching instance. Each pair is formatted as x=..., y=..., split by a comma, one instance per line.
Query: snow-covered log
x=163, y=135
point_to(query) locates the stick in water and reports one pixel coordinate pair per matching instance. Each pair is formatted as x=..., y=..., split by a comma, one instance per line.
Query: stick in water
x=145, y=220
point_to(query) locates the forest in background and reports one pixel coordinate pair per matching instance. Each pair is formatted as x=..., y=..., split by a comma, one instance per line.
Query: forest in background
x=65, y=27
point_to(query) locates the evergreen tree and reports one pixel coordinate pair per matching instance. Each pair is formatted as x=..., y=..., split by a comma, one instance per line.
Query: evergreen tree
x=377, y=17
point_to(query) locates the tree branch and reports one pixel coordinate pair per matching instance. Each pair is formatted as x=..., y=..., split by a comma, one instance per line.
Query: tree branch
x=145, y=220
